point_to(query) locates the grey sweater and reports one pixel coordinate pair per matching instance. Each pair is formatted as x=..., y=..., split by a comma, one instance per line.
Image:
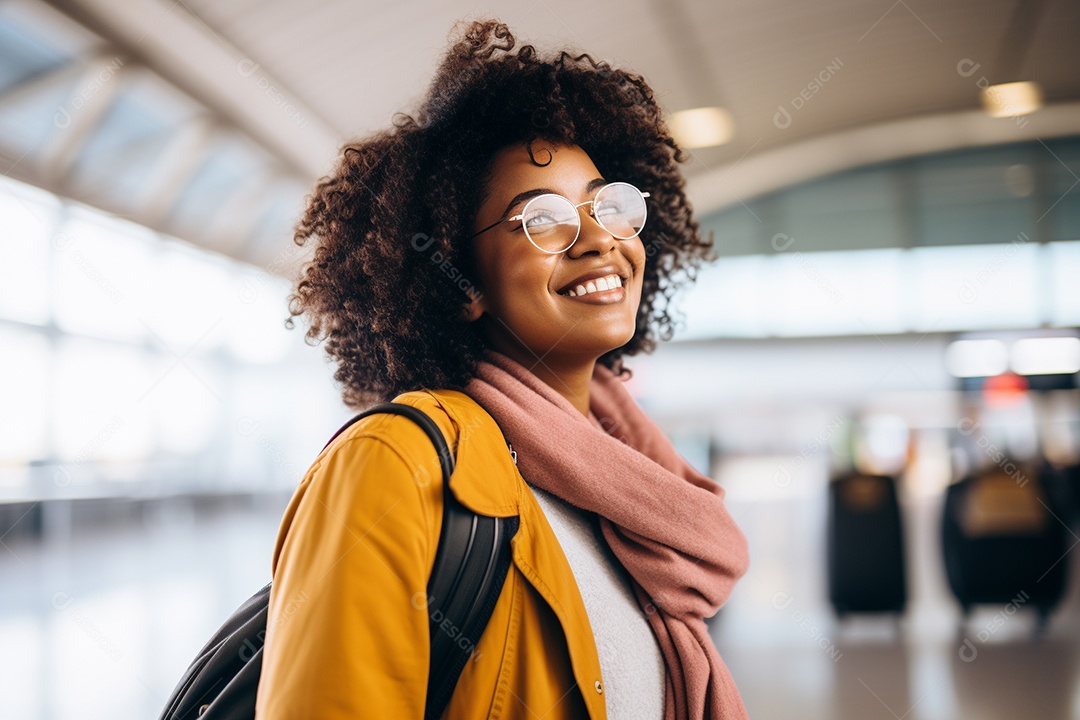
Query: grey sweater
x=630, y=659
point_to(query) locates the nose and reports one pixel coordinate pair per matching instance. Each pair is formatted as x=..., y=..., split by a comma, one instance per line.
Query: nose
x=592, y=237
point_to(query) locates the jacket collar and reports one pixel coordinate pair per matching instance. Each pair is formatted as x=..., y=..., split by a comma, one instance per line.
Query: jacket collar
x=480, y=444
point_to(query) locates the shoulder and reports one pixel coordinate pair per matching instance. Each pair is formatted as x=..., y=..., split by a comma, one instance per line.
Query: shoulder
x=400, y=432
x=485, y=478
x=380, y=480
x=454, y=412
x=456, y=415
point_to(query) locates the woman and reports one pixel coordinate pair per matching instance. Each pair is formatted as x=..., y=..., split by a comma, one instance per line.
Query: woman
x=489, y=262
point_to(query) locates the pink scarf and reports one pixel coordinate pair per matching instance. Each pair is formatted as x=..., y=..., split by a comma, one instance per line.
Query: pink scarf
x=665, y=521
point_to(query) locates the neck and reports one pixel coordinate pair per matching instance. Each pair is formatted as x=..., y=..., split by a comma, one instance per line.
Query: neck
x=568, y=376
x=569, y=379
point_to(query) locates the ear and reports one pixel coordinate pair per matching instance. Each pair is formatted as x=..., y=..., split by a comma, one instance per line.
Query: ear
x=473, y=309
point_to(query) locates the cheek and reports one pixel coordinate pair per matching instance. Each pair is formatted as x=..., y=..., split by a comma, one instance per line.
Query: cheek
x=514, y=282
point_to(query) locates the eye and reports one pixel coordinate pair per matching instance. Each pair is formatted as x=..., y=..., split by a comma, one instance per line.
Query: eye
x=609, y=208
x=540, y=221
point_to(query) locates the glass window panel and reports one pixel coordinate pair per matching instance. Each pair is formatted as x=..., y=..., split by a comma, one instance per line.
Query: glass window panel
x=28, y=121
x=985, y=286
x=1064, y=261
x=255, y=318
x=25, y=51
x=187, y=398
x=37, y=46
x=185, y=305
x=100, y=413
x=24, y=392
x=726, y=300
x=228, y=167
x=835, y=293
x=27, y=220
x=879, y=291
x=262, y=453
x=101, y=270
x=117, y=162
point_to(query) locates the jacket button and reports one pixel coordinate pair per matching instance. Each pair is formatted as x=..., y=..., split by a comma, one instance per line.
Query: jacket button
x=599, y=687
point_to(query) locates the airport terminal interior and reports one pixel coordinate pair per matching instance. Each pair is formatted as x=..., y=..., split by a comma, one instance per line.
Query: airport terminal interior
x=880, y=366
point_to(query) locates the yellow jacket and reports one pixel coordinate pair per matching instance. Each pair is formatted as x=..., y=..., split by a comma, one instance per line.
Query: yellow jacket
x=347, y=631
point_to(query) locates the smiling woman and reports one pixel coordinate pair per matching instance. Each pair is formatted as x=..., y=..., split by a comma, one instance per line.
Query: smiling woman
x=433, y=173
x=554, y=231
x=544, y=272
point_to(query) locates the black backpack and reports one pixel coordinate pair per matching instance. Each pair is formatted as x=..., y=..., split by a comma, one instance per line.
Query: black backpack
x=470, y=568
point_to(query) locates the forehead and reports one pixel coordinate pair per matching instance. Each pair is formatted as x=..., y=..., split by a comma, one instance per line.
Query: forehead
x=513, y=171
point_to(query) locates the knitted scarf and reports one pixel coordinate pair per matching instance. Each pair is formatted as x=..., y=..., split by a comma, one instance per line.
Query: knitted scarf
x=664, y=520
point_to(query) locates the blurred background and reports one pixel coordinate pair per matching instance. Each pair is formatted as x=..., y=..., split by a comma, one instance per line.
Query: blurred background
x=880, y=367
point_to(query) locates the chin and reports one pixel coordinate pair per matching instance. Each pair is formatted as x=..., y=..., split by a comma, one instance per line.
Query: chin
x=616, y=343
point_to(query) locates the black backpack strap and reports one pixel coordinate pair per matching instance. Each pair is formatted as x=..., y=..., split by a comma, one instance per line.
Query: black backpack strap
x=471, y=565
x=470, y=570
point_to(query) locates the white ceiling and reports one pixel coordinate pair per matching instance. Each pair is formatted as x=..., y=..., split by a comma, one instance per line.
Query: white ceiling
x=354, y=64
x=300, y=78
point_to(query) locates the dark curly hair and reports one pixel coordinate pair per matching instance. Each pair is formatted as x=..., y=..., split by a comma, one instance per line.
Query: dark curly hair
x=392, y=263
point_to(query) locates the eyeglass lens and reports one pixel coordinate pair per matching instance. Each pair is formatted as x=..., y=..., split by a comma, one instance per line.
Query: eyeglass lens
x=552, y=222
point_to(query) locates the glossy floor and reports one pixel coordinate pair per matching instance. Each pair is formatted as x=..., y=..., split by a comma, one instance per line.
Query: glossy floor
x=101, y=623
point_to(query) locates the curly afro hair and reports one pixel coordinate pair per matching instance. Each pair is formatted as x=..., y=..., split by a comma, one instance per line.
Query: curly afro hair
x=392, y=223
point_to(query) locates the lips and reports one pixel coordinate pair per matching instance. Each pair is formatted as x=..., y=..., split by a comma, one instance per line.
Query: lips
x=594, y=275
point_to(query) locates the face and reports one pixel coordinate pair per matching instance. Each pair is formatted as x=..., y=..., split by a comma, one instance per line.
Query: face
x=524, y=309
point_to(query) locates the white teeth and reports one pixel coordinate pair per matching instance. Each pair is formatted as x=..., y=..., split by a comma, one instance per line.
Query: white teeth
x=599, y=285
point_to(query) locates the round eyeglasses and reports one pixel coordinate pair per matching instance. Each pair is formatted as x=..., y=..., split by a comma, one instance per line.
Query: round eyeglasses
x=552, y=223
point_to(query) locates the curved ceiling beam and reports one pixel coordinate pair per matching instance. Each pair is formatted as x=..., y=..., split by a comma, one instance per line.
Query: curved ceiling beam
x=183, y=49
x=765, y=172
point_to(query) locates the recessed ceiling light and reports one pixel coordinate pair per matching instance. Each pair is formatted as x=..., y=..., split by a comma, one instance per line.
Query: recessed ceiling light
x=1011, y=99
x=702, y=127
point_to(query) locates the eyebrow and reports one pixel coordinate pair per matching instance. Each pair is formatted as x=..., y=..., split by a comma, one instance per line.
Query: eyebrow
x=529, y=194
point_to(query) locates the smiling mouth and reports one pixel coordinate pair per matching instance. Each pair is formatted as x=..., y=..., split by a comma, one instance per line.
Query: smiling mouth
x=597, y=285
